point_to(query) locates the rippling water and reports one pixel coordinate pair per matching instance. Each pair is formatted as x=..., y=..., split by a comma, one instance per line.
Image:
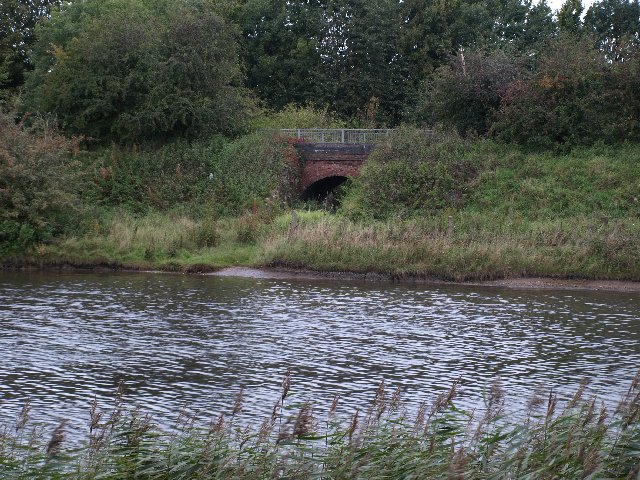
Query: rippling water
x=195, y=340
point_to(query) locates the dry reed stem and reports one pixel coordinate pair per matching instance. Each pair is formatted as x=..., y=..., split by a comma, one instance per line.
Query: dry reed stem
x=24, y=416
x=237, y=404
x=57, y=437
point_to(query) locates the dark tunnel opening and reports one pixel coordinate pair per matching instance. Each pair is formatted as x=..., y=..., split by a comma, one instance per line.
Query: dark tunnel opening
x=324, y=189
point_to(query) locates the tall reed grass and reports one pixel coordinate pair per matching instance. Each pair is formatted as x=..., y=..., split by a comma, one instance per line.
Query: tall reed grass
x=577, y=439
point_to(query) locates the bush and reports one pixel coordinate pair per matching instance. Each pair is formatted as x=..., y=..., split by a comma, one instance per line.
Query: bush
x=576, y=96
x=293, y=116
x=213, y=176
x=39, y=180
x=466, y=93
x=253, y=170
x=413, y=172
x=162, y=178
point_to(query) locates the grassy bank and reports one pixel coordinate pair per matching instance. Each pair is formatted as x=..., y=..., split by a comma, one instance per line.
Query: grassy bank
x=423, y=206
x=461, y=246
x=577, y=439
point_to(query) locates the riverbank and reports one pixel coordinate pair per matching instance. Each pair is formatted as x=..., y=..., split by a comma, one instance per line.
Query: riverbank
x=526, y=283
x=580, y=253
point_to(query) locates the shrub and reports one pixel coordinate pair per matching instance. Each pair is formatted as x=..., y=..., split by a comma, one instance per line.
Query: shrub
x=576, y=96
x=39, y=180
x=413, y=172
x=174, y=174
x=253, y=170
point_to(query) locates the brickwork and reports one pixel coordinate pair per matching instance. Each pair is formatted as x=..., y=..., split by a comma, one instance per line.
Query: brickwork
x=322, y=160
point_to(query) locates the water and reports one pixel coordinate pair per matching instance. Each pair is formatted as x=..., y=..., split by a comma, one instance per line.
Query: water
x=194, y=341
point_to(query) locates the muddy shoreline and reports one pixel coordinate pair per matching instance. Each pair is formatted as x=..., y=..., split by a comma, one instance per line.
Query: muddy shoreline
x=527, y=283
x=281, y=273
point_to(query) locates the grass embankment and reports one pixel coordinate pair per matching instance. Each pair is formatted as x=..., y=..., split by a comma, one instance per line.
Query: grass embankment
x=499, y=213
x=452, y=209
x=462, y=247
x=510, y=214
x=160, y=240
x=574, y=440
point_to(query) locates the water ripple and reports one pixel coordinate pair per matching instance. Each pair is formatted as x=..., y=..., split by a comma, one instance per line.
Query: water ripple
x=189, y=340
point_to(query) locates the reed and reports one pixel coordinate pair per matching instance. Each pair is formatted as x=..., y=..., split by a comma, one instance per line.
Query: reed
x=576, y=439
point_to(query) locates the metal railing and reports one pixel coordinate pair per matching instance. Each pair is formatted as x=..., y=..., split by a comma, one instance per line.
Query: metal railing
x=336, y=135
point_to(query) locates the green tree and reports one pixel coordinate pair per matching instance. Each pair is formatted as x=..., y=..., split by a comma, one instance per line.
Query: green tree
x=363, y=72
x=134, y=71
x=280, y=49
x=520, y=25
x=18, y=19
x=615, y=25
x=569, y=16
x=575, y=97
x=466, y=93
x=432, y=32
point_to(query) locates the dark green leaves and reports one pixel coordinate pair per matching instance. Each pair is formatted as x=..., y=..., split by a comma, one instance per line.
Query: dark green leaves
x=129, y=72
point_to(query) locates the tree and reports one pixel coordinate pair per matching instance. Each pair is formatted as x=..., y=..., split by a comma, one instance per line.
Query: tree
x=466, y=93
x=280, y=42
x=134, y=71
x=17, y=27
x=363, y=71
x=431, y=32
x=575, y=97
x=569, y=16
x=520, y=25
x=615, y=25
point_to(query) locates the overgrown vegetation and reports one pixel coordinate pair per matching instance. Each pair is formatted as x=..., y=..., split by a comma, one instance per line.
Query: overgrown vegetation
x=134, y=72
x=578, y=438
x=425, y=205
x=414, y=172
x=208, y=177
x=462, y=246
x=39, y=183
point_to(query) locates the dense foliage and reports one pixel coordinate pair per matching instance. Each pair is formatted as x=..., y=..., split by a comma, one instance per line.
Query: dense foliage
x=138, y=71
x=220, y=176
x=17, y=35
x=39, y=180
x=414, y=172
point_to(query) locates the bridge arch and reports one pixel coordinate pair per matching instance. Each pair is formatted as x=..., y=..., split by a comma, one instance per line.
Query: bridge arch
x=321, y=188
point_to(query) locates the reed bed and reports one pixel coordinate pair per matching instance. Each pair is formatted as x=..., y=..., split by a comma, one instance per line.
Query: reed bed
x=577, y=439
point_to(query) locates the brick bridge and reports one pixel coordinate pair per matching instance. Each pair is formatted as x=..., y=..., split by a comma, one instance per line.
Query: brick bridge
x=331, y=156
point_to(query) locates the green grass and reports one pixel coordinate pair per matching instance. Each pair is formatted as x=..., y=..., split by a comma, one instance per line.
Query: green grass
x=163, y=241
x=576, y=439
x=600, y=181
x=463, y=246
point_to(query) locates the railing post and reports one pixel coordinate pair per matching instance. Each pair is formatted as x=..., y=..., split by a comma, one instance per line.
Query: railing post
x=299, y=134
x=342, y=135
